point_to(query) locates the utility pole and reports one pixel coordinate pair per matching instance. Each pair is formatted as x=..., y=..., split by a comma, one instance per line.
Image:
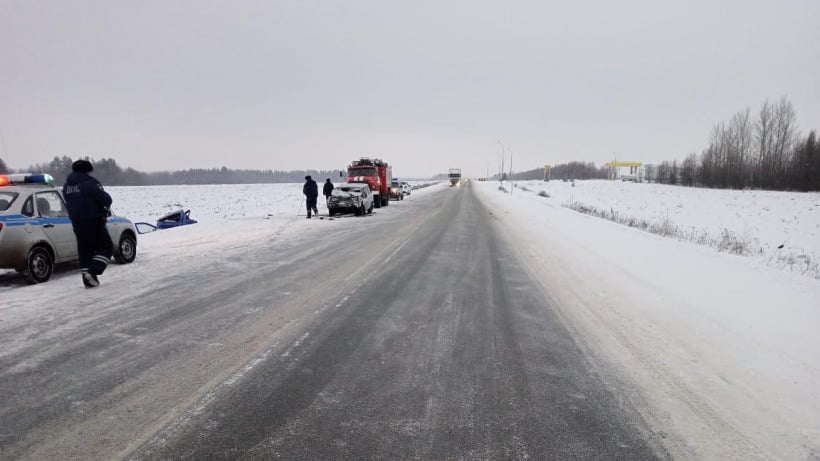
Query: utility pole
x=512, y=185
x=501, y=175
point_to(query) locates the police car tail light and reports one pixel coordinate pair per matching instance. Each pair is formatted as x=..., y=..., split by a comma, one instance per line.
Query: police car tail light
x=25, y=178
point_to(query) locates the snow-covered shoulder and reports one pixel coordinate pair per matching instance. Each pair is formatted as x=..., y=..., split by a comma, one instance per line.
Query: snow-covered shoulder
x=723, y=349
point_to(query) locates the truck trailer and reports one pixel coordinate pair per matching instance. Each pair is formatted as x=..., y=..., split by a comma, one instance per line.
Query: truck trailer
x=455, y=176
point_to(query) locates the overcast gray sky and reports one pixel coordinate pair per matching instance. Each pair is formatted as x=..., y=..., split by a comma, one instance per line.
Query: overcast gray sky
x=426, y=85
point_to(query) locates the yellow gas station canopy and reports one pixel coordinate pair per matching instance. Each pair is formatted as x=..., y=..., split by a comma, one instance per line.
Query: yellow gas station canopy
x=622, y=164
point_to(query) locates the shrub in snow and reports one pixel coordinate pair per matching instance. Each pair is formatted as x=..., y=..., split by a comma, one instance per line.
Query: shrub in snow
x=727, y=241
x=730, y=243
x=800, y=262
x=543, y=194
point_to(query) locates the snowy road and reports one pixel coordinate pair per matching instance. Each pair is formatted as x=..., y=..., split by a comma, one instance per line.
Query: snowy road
x=459, y=323
x=411, y=334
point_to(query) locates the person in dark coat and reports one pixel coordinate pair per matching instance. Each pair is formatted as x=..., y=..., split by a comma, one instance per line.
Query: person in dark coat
x=88, y=207
x=327, y=190
x=311, y=191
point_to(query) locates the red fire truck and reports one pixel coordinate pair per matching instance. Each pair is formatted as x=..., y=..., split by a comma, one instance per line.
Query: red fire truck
x=377, y=174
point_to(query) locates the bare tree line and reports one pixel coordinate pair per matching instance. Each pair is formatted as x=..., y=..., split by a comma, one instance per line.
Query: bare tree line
x=764, y=151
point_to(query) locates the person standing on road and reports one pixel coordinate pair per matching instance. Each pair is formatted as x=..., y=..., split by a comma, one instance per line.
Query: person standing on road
x=311, y=191
x=88, y=207
x=327, y=190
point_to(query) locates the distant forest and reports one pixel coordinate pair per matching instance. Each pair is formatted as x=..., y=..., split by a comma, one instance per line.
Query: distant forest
x=571, y=170
x=111, y=174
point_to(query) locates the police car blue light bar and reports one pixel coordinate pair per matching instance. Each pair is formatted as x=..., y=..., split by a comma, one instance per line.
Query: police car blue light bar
x=25, y=178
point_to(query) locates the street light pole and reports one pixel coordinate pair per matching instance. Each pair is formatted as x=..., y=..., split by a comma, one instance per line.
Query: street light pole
x=501, y=175
x=513, y=184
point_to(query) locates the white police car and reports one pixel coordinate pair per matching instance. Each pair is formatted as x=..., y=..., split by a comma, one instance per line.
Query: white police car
x=36, y=232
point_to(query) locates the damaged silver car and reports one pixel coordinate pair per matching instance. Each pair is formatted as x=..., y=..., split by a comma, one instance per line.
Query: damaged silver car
x=351, y=198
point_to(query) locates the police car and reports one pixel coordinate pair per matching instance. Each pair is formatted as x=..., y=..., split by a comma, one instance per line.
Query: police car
x=36, y=232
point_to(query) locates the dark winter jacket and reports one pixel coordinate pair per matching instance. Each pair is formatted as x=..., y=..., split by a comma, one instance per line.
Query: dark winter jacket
x=310, y=189
x=85, y=197
x=328, y=189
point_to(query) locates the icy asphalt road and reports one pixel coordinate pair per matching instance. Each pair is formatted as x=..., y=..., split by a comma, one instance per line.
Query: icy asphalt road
x=410, y=334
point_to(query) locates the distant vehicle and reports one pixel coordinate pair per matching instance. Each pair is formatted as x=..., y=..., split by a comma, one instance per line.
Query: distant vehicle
x=377, y=174
x=455, y=176
x=396, y=192
x=351, y=197
x=173, y=219
x=406, y=188
x=36, y=232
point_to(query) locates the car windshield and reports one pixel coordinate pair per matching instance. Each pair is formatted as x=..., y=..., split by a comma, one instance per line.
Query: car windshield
x=355, y=190
x=6, y=199
x=362, y=172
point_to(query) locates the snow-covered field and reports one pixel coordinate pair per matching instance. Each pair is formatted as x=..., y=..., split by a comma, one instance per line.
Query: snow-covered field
x=228, y=216
x=211, y=204
x=722, y=351
x=781, y=229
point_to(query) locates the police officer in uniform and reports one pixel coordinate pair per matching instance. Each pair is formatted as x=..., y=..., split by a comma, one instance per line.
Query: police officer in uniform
x=88, y=207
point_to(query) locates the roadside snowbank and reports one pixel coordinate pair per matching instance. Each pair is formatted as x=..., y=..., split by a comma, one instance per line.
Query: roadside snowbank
x=724, y=349
x=780, y=228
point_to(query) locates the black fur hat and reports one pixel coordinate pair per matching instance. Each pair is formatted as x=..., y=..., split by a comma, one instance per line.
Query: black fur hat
x=307, y=178
x=82, y=166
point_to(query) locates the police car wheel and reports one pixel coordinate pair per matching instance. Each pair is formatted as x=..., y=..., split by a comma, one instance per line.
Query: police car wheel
x=39, y=265
x=126, y=250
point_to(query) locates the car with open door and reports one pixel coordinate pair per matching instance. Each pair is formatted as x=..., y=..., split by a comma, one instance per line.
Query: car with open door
x=36, y=232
